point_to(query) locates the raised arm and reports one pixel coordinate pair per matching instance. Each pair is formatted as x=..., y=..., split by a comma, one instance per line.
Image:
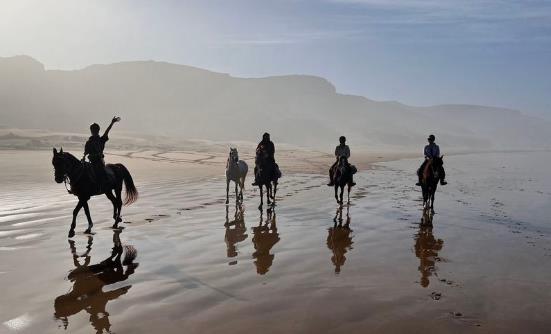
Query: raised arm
x=113, y=121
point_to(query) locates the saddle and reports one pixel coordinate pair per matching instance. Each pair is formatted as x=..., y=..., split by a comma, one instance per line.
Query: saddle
x=90, y=171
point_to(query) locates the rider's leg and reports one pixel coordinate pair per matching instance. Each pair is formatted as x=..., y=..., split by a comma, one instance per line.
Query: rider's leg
x=332, y=174
x=443, y=176
x=420, y=173
x=255, y=183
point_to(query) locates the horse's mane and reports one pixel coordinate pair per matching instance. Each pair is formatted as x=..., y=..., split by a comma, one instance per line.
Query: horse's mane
x=70, y=156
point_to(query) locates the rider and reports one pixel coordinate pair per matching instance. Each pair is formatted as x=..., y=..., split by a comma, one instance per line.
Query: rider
x=431, y=151
x=265, y=146
x=341, y=150
x=94, y=149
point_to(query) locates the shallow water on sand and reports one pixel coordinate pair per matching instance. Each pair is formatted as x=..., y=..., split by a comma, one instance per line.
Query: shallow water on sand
x=305, y=266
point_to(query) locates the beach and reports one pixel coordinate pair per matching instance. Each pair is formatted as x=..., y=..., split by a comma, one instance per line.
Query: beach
x=305, y=266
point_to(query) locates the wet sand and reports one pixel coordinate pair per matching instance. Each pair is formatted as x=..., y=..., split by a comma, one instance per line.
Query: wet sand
x=307, y=266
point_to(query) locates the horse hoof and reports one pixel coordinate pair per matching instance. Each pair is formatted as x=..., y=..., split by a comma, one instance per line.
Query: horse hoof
x=71, y=234
x=88, y=231
x=118, y=220
x=227, y=202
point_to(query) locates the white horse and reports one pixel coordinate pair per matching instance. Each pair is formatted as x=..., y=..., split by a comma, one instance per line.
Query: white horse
x=236, y=171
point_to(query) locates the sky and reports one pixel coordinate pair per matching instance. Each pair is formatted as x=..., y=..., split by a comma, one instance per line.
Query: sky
x=418, y=52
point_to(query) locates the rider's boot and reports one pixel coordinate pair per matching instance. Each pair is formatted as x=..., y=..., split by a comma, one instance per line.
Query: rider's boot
x=331, y=182
x=418, y=182
x=443, y=182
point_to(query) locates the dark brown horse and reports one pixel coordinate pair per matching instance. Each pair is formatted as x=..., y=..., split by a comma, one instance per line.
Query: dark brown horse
x=342, y=178
x=267, y=176
x=83, y=185
x=429, y=181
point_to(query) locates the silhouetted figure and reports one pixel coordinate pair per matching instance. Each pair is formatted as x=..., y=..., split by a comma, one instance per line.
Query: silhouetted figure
x=339, y=239
x=431, y=151
x=236, y=234
x=426, y=249
x=266, y=170
x=265, y=236
x=89, y=281
x=342, y=150
x=83, y=185
x=265, y=154
x=94, y=150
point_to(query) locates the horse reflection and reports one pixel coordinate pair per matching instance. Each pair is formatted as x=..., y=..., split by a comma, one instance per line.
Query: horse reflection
x=427, y=248
x=265, y=236
x=237, y=233
x=339, y=238
x=88, y=283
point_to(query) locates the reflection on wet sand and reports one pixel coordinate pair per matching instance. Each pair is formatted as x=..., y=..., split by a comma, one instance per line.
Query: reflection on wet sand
x=265, y=236
x=236, y=234
x=427, y=248
x=88, y=282
x=339, y=238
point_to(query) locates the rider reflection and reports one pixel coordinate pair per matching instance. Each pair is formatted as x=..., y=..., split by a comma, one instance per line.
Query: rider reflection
x=237, y=233
x=88, y=283
x=339, y=238
x=427, y=248
x=265, y=236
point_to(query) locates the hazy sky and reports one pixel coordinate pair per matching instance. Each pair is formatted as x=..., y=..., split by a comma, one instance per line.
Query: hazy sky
x=421, y=52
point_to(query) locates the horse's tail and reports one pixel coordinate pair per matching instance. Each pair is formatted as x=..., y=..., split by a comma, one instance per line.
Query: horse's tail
x=131, y=191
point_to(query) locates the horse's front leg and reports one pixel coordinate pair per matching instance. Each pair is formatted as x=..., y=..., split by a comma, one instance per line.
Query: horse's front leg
x=74, y=222
x=269, y=193
x=236, y=192
x=87, y=212
x=432, y=202
x=342, y=192
x=349, y=193
x=227, y=191
x=336, y=193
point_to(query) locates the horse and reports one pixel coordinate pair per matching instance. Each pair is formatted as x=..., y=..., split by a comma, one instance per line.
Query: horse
x=236, y=171
x=267, y=176
x=84, y=186
x=343, y=177
x=429, y=181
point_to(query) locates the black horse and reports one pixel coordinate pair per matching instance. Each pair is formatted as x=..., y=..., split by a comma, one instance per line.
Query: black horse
x=267, y=176
x=343, y=177
x=84, y=186
x=429, y=181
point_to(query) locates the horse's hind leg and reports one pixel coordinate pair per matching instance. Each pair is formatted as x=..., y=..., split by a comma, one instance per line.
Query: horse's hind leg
x=236, y=192
x=74, y=222
x=261, y=198
x=118, y=200
x=269, y=193
x=336, y=193
x=113, y=200
x=342, y=192
x=275, y=191
x=349, y=193
x=227, y=191
x=87, y=212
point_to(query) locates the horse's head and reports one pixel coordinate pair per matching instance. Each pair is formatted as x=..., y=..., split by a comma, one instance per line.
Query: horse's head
x=61, y=165
x=234, y=156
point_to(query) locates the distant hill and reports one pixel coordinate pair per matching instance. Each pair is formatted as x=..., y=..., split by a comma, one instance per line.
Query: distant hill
x=158, y=98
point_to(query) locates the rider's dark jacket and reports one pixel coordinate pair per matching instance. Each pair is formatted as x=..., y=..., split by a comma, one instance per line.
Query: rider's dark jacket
x=268, y=147
x=94, y=149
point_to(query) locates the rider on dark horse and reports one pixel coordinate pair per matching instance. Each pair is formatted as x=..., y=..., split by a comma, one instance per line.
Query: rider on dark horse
x=431, y=151
x=94, y=149
x=265, y=147
x=341, y=150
